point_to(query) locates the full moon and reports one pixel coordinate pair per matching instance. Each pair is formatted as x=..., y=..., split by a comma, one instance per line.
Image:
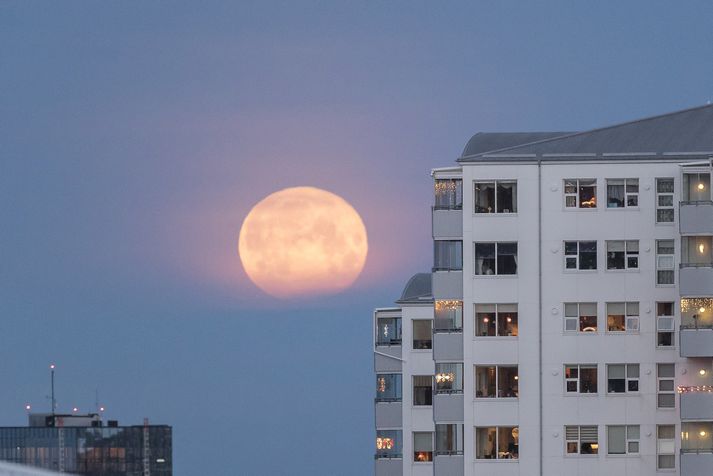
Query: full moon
x=302, y=241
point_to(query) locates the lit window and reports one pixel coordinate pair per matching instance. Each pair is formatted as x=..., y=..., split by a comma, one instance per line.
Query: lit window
x=697, y=437
x=448, y=194
x=388, y=444
x=388, y=387
x=501, y=442
x=580, y=193
x=580, y=317
x=496, y=320
x=449, y=378
x=623, y=317
x=448, y=316
x=422, y=446
x=496, y=381
x=388, y=331
x=696, y=187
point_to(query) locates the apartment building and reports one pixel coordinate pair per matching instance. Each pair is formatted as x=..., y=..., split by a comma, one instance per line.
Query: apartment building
x=567, y=325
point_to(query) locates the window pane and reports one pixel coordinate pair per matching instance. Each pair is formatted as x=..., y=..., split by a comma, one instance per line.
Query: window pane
x=664, y=185
x=485, y=444
x=485, y=258
x=616, y=440
x=615, y=193
x=484, y=197
x=587, y=193
x=507, y=382
x=423, y=390
x=666, y=432
x=666, y=370
x=664, y=247
x=588, y=379
x=422, y=334
x=507, y=322
x=666, y=400
x=485, y=382
x=507, y=442
x=570, y=247
x=507, y=258
x=507, y=197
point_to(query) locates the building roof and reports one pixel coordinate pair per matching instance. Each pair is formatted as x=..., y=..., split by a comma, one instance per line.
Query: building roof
x=483, y=142
x=417, y=290
x=682, y=133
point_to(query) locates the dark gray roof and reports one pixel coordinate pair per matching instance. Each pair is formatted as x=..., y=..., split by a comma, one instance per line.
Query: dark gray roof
x=687, y=132
x=417, y=289
x=489, y=141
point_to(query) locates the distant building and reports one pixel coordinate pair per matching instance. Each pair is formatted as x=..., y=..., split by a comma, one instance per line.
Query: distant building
x=566, y=327
x=83, y=445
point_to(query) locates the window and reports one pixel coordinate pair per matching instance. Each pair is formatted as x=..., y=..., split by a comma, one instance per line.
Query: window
x=583, y=440
x=666, y=396
x=449, y=378
x=496, y=381
x=388, y=444
x=580, y=378
x=622, y=378
x=666, y=446
x=580, y=193
x=664, y=262
x=664, y=324
x=623, y=439
x=388, y=331
x=696, y=251
x=447, y=255
x=580, y=317
x=495, y=258
x=449, y=194
x=696, y=187
x=622, y=193
x=696, y=437
x=498, y=196
x=623, y=317
x=497, y=442
x=580, y=255
x=493, y=320
x=448, y=316
x=422, y=446
x=422, y=334
x=623, y=254
x=388, y=387
x=422, y=390
x=664, y=200
x=696, y=313
x=449, y=439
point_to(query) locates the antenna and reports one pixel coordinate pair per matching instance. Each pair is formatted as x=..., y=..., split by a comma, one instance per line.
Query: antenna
x=54, y=402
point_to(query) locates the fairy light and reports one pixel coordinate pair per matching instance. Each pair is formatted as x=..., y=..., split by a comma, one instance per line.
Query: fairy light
x=699, y=304
x=384, y=443
x=445, y=377
x=448, y=305
x=695, y=388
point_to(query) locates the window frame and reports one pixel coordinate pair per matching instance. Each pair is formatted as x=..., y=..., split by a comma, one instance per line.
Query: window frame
x=578, y=194
x=628, y=379
x=627, y=254
x=459, y=434
x=578, y=256
x=497, y=322
x=668, y=442
x=496, y=207
x=578, y=318
x=629, y=316
x=628, y=440
x=672, y=391
x=428, y=454
x=496, y=259
x=456, y=379
x=498, y=390
x=396, y=437
x=452, y=189
x=578, y=379
x=450, y=263
x=666, y=256
x=496, y=443
x=399, y=392
x=423, y=342
x=627, y=195
x=660, y=329
x=657, y=205
x=580, y=441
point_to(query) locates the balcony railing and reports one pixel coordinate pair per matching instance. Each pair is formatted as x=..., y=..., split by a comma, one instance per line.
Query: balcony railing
x=387, y=399
x=388, y=456
x=449, y=452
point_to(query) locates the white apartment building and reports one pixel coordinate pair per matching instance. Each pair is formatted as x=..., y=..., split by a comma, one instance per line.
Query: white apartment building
x=567, y=325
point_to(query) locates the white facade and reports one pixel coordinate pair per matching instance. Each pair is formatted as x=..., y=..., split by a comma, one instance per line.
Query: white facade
x=577, y=373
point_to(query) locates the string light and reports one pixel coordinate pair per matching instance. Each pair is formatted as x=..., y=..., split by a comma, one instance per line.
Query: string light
x=384, y=443
x=695, y=388
x=690, y=304
x=448, y=305
x=381, y=387
x=445, y=377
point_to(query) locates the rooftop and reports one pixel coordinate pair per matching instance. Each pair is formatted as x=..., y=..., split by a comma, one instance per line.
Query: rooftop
x=688, y=132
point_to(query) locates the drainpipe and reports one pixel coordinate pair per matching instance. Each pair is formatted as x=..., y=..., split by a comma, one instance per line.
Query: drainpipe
x=539, y=307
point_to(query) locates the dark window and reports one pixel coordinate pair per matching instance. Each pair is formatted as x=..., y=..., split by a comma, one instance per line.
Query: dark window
x=422, y=334
x=495, y=258
x=448, y=255
x=422, y=390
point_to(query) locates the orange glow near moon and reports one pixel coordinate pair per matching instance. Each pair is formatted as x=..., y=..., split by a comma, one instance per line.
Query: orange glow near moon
x=302, y=241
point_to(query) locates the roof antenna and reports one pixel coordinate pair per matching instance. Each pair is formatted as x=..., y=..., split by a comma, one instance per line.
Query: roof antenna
x=54, y=402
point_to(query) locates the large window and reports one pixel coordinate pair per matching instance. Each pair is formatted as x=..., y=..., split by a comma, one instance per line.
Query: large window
x=623, y=317
x=622, y=193
x=580, y=193
x=388, y=387
x=580, y=317
x=580, y=378
x=449, y=439
x=449, y=378
x=497, y=442
x=666, y=446
x=422, y=390
x=582, y=440
x=493, y=381
x=665, y=375
x=622, y=378
x=447, y=255
x=664, y=200
x=623, y=439
x=495, y=196
x=496, y=320
x=388, y=444
x=495, y=258
x=665, y=262
x=448, y=316
x=696, y=187
x=449, y=194
x=580, y=255
x=422, y=334
x=623, y=254
x=664, y=324
x=697, y=437
x=422, y=446
x=388, y=331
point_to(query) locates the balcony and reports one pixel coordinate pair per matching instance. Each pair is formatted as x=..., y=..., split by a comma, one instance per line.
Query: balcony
x=447, y=222
x=452, y=465
x=392, y=466
x=696, y=218
x=696, y=279
x=388, y=414
x=696, y=403
x=447, y=345
x=447, y=284
x=448, y=407
x=696, y=341
x=695, y=463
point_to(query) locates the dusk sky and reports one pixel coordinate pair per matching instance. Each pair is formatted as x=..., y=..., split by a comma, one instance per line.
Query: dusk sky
x=136, y=136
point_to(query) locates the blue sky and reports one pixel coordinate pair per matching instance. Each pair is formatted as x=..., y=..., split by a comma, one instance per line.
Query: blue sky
x=136, y=136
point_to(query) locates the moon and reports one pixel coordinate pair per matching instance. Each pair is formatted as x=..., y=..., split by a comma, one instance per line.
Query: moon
x=302, y=241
